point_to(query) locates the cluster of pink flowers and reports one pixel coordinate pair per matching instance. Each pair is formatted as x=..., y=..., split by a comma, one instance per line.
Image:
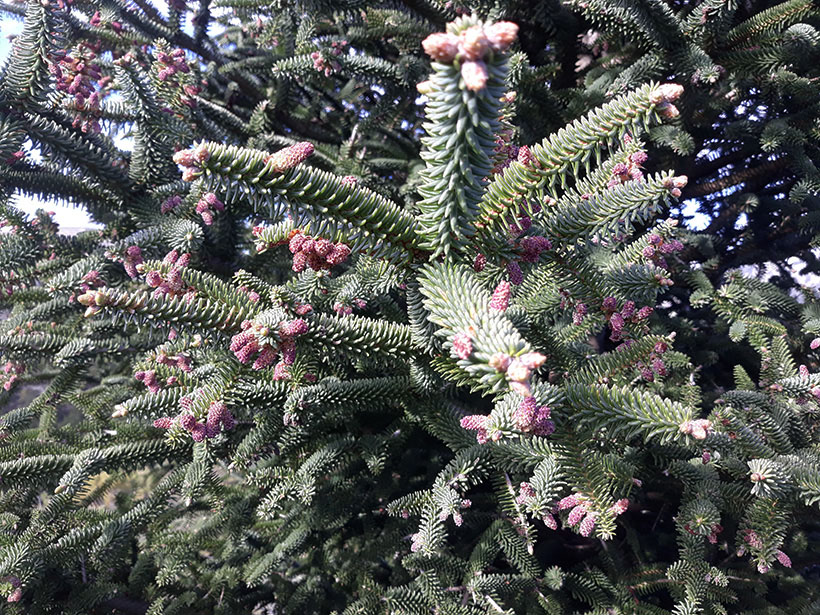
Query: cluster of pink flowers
x=664, y=96
x=457, y=518
x=17, y=590
x=815, y=343
x=191, y=161
x=218, y=417
x=515, y=273
x=480, y=423
x=579, y=313
x=170, y=204
x=172, y=63
x=289, y=157
x=77, y=75
x=302, y=309
x=712, y=537
x=526, y=491
x=325, y=65
x=171, y=283
x=252, y=294
x=518, y=370
x=784, y=559
x=618, y=319
x=315, y=252
x=658, y=247
x=500, y=300
x=346, y=309
x=531, y=248
x=11, y=372
x=132, y=258
x=580, y=515
x=674, y=185
x=505, y=150
x=206, y=206
x=471, y=48
x=152, y=383
x=96, y=21
x=628, y=171
x=531, y=418
x=698, y=429
x=257, y=340
x=179, y=361
x=655, y=365
x=463, y=344
x=90, y=280
x=752, y=539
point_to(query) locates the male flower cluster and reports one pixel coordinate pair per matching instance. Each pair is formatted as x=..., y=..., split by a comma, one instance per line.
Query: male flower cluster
x=149, y=377
x=517, y=369
x=328, y=66
x=343, y=308
x=171, y=283
x=618, y=319
x=531, y=418
x=179, y=361
x=172, y=63
x=713, y=530
x=581, y=515
x=315, y=252
x=191, y=161
x=77, y=74
x=90, y=280
x=658, y=247
x=11, y=372
x=218, y=417
x=751, y=538
x=258, y=342
x=96, y=21
x=470, y=49
x=655, y=364
x=664, y=96
x=530, y=248
x=170, y=204
x=289, y=157
x=480, y=423
x=207, y=205
x=698, y=429
x=628, y=171
x=130, y=261
x=500, y=300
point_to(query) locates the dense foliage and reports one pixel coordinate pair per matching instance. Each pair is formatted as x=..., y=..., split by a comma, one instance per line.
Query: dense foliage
x=395, y=308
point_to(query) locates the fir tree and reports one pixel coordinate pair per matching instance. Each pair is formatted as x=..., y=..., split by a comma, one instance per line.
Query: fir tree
x=340, y=348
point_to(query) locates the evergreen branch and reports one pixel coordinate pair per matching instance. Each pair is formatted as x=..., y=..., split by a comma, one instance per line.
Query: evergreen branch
x=317, y=193
x=569, y=148
x=625, y=412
